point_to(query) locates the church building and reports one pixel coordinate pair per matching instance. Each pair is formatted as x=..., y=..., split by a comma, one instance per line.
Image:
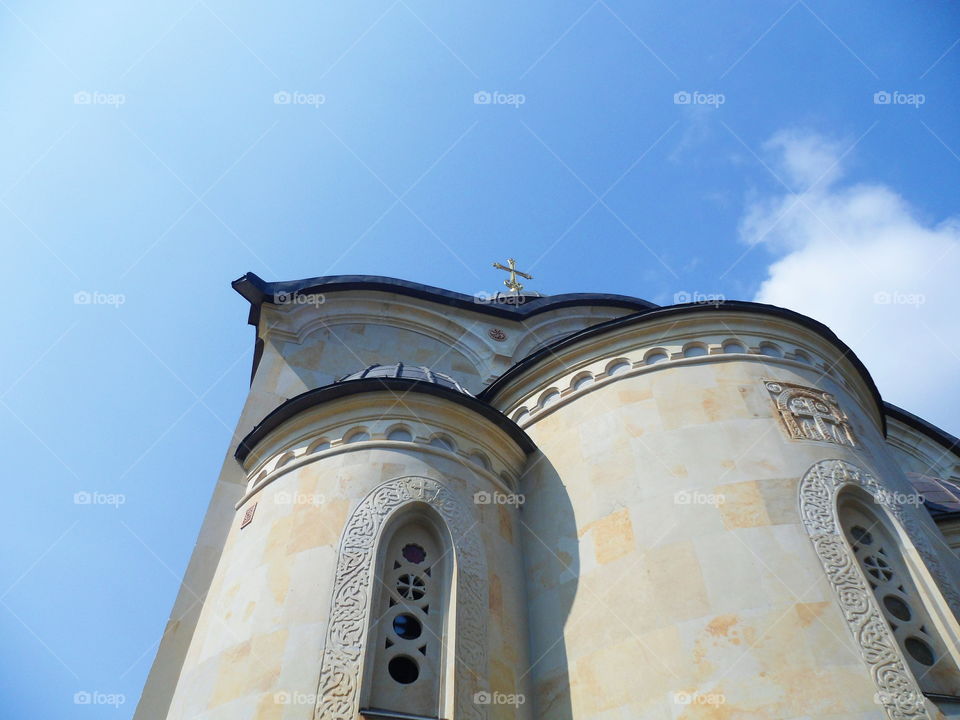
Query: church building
x=572, y=507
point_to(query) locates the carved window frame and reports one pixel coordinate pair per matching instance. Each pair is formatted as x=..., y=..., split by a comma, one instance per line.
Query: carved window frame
x=898, y=691
x=342, y=664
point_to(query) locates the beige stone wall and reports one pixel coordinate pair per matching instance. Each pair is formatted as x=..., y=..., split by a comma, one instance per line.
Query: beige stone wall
x=667, y=561
x=263, y=626
x=314, y=345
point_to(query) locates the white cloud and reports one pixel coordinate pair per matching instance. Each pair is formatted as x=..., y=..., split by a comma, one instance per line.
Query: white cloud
x=861, y=260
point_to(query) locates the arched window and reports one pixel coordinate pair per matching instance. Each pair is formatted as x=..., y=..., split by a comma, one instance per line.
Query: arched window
x=409, y=622
x=888, y=574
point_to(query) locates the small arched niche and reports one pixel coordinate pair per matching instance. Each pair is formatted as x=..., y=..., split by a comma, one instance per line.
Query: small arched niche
x=356, y=435
x=654, y=356
x=771, y=350
x=581, y=381
x=400, y=433
x=617, y=367
x=694, y=349
x=444, y=442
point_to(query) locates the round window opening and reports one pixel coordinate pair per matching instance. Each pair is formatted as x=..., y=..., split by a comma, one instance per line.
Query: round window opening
x=403, y=669
x=410, y=587
x=414, y=554
x=407, y=626
x=920, y=651
x=897, y=607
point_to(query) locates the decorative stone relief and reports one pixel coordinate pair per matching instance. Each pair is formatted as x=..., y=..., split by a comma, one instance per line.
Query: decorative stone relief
x=811, y=414
x=338, y=696
x=898, y=692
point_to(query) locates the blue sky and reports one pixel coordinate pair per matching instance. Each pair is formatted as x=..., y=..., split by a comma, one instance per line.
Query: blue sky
x=147, y=157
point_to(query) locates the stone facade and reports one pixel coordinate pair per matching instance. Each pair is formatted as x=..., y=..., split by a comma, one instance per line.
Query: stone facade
x=640, y=504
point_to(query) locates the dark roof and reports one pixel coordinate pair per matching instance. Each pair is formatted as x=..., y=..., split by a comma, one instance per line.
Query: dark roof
x=411, y=372
x=258, y=291
x=398, y=385
x=942, y=437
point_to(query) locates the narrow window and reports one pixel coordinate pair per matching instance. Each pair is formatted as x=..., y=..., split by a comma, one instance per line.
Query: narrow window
x=408, y=623
x=888, y=575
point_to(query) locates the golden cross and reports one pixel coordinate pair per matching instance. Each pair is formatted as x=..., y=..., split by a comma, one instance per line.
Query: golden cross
x=511, y=282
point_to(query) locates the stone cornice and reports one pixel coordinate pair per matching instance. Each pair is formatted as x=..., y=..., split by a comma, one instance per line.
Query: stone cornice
x=407, y=399
x=678, y=335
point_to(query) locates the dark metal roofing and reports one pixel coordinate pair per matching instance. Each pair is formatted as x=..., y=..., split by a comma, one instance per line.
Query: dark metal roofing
x=397, y=385
x=258, y=291
x=942, y=437
x=411, y=372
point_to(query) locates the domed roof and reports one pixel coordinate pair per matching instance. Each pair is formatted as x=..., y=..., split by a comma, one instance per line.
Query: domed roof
x=409, y=372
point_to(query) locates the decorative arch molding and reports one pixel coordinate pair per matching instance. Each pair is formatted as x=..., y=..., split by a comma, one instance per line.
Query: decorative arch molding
x=341, y=670
x=899, y=693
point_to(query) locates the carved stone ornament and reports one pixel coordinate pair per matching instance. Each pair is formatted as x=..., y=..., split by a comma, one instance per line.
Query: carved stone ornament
x=811, y=414
x=341, y=670
x=899, y=693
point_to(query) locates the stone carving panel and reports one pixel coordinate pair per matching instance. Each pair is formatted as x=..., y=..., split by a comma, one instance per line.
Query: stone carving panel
x=811, y=414
x=898, y=693
x=338, y=696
